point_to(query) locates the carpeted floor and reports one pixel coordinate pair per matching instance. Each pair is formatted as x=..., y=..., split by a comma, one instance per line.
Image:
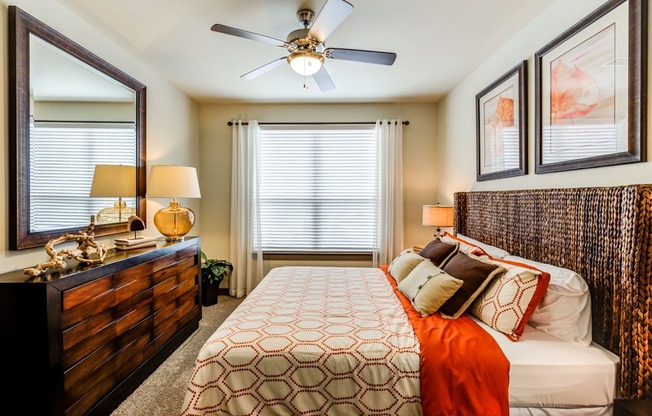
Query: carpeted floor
x=162, y=393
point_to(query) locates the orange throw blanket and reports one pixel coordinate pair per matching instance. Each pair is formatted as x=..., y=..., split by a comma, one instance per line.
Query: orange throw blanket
x=463, y=370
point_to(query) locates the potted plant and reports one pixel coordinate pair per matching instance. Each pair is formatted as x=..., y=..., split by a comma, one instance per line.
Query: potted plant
x=213, y=271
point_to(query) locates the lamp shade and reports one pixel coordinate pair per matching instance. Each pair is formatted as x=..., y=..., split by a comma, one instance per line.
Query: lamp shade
x=437, y=216
x=114, y=181
x=170, y=181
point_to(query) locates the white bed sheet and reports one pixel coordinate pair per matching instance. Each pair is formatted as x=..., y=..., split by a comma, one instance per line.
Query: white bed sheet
x=558, y=411
x=548, y=372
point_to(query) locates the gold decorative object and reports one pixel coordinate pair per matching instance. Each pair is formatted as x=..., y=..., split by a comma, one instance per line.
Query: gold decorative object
x=168, y=181
x=86, y=245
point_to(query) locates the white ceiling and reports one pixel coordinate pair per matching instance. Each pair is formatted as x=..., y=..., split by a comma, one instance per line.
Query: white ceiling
x=438, y=43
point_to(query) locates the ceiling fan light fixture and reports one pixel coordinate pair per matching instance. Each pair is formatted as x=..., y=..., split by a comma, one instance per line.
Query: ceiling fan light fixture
x=306, y=62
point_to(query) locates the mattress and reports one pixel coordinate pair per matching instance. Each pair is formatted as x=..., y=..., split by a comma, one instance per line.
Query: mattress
x=548, y=372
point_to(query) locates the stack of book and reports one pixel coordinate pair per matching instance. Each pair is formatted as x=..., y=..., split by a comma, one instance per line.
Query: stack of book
x=134, y=243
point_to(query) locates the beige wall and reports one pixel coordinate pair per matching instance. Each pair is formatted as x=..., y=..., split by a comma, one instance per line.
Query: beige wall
x=172, y=126
x=456, y=116
x=215, y=168
x=87, y=111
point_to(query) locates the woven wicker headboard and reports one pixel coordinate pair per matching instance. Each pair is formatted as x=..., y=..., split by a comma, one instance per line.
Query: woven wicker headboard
x=605, y=235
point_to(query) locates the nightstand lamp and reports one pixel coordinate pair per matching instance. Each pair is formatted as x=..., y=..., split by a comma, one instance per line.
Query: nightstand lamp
x=169, y=181
x=437, y=216
x=116, y=181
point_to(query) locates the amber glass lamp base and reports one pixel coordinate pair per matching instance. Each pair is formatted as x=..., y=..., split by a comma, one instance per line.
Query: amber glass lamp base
x=175, y=221
x=119, y=212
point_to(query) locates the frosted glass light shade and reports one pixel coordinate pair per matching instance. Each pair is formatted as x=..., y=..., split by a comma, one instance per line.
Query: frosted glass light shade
x=305, y=63
x=168, y=181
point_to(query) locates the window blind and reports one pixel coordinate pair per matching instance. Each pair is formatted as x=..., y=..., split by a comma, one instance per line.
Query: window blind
x=318, y=188
x=63, y=156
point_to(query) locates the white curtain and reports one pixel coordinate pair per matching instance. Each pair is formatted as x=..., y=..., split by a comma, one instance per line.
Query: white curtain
x=389, y=221
x=246, y=252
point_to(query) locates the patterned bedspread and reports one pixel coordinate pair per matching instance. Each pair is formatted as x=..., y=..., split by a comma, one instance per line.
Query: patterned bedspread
x=311, y=341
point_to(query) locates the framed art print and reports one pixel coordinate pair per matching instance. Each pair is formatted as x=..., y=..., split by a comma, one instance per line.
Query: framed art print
x=590, y=91
x=501, y=126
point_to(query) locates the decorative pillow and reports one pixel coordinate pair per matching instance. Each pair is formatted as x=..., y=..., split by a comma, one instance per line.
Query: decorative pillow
x=492, y=251
x=509, y=301
x=428, y=287
x=439, y=252
x=465, y=247
x=476, y=273
x=403, y=264
x=565, y=310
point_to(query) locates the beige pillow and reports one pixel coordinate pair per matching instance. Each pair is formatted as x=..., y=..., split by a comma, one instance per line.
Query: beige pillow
x=403, y=264
x=428, y=287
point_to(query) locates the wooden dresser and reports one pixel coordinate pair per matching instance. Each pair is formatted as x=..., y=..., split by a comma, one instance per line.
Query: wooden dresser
x=79, y=341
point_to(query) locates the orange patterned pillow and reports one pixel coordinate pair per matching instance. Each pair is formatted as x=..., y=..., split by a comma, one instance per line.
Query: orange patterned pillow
x=508, y=302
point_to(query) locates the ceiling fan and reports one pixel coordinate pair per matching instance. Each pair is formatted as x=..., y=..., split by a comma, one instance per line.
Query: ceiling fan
x=306, y=45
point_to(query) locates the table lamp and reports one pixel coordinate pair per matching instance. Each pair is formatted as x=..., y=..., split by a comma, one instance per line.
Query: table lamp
x=116, y=181
x=437, y=216
x=170, y=181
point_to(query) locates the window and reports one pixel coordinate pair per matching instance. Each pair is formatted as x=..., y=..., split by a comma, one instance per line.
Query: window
x=318, y=188
x=67, y=155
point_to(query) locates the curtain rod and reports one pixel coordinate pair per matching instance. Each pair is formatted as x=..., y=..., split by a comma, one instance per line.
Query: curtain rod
x=298, y=123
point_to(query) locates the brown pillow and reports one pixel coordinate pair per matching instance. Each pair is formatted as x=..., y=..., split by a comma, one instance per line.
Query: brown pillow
x=476, y=274
x=439, y=252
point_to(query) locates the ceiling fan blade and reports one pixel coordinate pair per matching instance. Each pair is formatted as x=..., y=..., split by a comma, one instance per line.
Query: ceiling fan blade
x=264, y=69
x=331, y=15
x=359, y=55
x=248, y=35
x=323, y=80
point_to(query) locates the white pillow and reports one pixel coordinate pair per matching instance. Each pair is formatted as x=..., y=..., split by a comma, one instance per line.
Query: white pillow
x=565, y=310
x=495, y=252
x=403, y=264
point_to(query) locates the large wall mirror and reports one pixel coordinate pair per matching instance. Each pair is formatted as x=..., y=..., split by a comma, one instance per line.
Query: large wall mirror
x=76, y=137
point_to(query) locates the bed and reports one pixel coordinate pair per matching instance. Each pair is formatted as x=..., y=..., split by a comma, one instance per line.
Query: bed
x=340, y=341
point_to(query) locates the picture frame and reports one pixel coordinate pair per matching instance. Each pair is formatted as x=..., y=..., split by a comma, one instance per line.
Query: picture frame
x=590, y=91
x=501, y=126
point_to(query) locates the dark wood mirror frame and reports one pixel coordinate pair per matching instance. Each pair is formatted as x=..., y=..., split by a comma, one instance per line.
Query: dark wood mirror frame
x=21, y=25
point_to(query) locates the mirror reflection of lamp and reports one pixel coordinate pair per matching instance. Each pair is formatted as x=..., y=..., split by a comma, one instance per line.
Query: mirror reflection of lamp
x=117, y=181
x=169, y=181
x=437, y=216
